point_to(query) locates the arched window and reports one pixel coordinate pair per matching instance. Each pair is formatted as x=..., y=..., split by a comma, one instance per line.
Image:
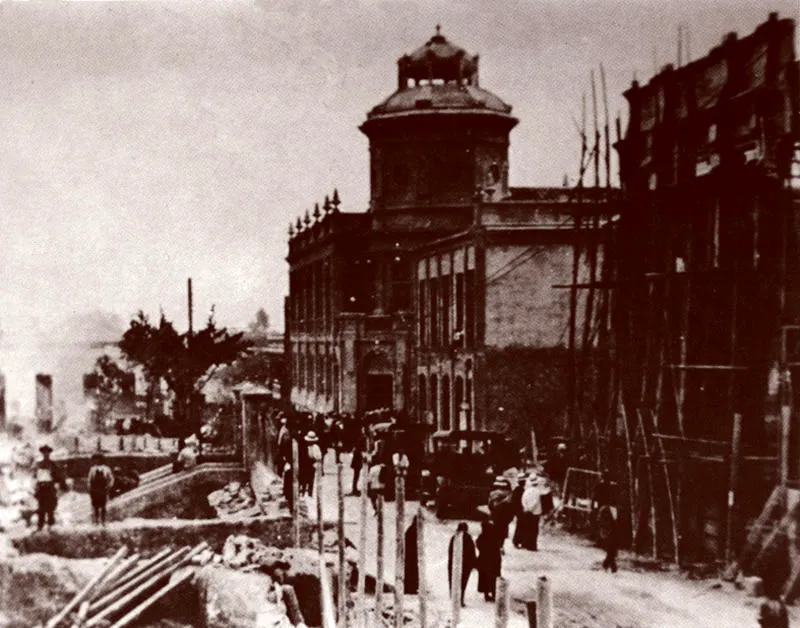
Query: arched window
x=446, y=392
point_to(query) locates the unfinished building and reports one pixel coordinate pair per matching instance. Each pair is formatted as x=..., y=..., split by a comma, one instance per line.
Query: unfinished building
x=702, y=278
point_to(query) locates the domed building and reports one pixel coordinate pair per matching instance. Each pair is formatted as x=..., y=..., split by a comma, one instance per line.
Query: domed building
x=439, y=136
x=437, y=300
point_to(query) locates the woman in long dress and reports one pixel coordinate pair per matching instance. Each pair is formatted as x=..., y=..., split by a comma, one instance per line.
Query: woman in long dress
x=490, y=558
x=467, y=558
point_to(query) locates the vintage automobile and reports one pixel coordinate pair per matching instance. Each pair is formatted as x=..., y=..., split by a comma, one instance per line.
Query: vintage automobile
x=461, y=468
x=412, y=439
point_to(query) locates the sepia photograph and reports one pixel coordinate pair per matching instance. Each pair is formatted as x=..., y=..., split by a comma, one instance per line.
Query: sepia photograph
x=399, y=313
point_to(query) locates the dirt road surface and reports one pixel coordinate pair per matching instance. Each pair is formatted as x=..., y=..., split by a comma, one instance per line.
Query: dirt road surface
x=584, y=595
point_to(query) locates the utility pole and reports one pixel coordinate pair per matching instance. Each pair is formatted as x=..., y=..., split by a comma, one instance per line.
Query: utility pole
x=190, y=401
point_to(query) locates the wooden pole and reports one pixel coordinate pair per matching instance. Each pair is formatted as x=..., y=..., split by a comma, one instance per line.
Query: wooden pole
x=83, y=612
x=501, y=603
x=668, y=481
x=134, y=614
x=733, y=482
x=318, y=495
x=544, y=604
x=455, y=578
x=292, y=605
x=421, y=567
x=115, y=577
x=296, y=492
x=87, y=590
x=341, y=598
x=379, y=574
x=650, y=487
x=328, y=618
x=534, y=448
x=122, y=603
x=120, y=591
x=362, y=548
x=400, y=545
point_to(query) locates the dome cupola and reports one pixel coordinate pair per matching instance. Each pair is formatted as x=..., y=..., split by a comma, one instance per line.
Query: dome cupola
x=439, y=135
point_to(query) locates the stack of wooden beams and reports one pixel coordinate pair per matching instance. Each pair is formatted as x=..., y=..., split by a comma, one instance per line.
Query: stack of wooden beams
x=126, y=588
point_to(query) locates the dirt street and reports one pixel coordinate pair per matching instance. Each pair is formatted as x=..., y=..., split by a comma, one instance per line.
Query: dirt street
x=584, y=594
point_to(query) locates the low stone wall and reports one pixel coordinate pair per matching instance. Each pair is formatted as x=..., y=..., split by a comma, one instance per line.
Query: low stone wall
x=149, y=536
x=78, y=466
x=181, y=495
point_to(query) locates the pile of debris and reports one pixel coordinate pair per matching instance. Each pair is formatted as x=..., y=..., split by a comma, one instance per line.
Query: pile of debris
x=127, y=587
x=235, y=499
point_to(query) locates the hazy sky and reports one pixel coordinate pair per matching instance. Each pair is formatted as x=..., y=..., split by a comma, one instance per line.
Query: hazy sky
x=145, y=142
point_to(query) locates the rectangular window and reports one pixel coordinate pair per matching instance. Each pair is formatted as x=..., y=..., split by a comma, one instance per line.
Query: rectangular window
x=423, y=311
x=434, y=295
x=459, y=321
x=469, y=312
x=447, y=335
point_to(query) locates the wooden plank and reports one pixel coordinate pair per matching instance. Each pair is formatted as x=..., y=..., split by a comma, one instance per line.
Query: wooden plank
x=134, y=614
x=165, y=572
x=87, y=590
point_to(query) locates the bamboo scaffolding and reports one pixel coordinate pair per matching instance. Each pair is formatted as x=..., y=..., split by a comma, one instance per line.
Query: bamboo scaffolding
x=653, y=519
x=671, y=502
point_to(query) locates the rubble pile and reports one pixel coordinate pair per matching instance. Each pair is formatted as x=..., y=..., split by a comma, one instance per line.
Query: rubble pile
x=235, y=499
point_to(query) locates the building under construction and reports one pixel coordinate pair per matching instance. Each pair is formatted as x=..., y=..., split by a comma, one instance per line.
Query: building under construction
x=695, y=412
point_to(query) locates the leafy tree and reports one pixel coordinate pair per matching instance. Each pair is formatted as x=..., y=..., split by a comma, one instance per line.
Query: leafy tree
x=108, y=379
x=261, y=324
x=185, y=363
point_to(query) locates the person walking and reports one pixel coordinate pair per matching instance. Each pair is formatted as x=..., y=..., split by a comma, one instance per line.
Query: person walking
x=356, y=462
x=501, y=505
x=468, y=559
x=100, y=482
x=284, y=443
x=314, y=456
x=604, y=507
x=49, y=478
x=490, y=559
x=376, y=482
x=288, y=485
x=411, y=566
x=531, y=512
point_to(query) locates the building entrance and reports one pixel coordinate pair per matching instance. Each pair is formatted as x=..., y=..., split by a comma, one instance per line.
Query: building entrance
x=379, y=391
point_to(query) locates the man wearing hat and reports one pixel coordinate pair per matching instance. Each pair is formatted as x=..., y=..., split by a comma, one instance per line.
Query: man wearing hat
x=48, y=475
x=100, y=481
x=284, y=443
x=314, y=457
x=501, y=505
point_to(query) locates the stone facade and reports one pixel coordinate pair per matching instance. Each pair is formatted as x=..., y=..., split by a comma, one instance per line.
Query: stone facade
x=401, y=306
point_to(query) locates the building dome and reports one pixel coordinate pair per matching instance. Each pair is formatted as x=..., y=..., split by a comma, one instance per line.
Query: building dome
x=439, y=136
x=441, y=76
